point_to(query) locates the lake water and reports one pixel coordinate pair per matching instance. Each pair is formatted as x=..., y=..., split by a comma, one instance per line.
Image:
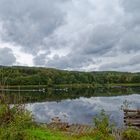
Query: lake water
x=78, y=105
x=83, y=109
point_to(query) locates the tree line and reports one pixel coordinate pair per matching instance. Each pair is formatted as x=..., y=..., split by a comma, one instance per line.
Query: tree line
x=17, y=75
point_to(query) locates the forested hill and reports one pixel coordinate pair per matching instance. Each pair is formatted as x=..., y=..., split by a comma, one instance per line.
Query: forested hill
x=17, y=75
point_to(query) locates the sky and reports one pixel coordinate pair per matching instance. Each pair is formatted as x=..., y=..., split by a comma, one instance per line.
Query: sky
x=84, y=35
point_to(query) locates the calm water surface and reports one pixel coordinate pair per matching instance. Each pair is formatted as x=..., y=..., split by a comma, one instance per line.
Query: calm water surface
x=78, y=105
x=82, y=110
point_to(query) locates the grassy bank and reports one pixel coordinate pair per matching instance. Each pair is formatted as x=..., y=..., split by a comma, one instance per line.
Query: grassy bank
x=73, y=86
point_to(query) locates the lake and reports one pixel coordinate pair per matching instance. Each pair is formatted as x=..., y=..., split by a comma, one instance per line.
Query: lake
x=80, y=105
x=82, y=110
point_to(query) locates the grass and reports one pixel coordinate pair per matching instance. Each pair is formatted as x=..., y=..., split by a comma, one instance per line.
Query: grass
x=42, y=134
x=126, y=84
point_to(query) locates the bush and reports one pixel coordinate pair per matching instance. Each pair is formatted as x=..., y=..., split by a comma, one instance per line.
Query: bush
x=14, y=120
x=103, y=127
x=131, y=134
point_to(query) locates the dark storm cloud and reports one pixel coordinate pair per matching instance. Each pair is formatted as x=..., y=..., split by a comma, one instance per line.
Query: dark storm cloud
x=27, y=23
x=6, y=56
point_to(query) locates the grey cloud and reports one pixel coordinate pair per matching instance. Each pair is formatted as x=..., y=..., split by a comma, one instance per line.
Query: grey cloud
x=99, y=41
x=110, y=66
x=132, y=10
x=40, y=60
x=130, y=41
x=131, y=64
x=103, y=38
x=135, y=60
x=6, y=56
x=131, y=6
x=100, y=32
x=74, y=61
x=27, y=23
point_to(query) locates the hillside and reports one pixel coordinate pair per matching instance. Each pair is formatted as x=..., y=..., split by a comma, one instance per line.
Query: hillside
x=19, y=75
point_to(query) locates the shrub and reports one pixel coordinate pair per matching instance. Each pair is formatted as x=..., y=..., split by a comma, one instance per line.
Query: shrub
x=14, y=120
x=131, y=134
x=103, y=127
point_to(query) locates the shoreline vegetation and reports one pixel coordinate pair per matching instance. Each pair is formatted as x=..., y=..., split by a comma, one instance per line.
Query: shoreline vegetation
x=16, y=123
x=113, y=85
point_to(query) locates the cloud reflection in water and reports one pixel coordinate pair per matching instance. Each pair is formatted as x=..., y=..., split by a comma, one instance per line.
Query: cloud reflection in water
x=83, y=110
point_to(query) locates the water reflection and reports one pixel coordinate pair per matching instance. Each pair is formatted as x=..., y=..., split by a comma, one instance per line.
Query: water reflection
x=83, y=109
x=77, y=105
x=71, y=93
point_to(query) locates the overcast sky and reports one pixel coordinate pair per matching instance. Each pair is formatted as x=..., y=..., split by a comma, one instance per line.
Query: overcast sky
x=71, y=34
